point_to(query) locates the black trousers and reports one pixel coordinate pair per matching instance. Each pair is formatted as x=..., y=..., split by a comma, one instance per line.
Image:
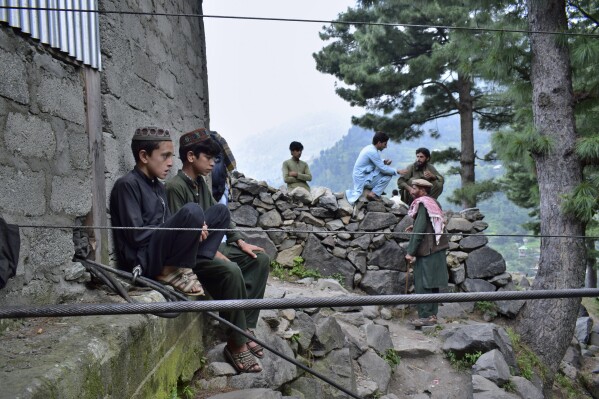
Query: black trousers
x=182, y=248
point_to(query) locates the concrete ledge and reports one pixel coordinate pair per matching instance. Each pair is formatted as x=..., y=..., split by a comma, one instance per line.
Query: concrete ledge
x=128, y=356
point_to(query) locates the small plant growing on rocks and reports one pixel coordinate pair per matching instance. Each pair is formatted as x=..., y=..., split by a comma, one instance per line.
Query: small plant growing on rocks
x=486, y=308
x=392, y=357
x=527, y=361
x=295, y=338
x=509, y=386
x=339, y=278
x=277, y=270
x=300, y=270
x=466, y=362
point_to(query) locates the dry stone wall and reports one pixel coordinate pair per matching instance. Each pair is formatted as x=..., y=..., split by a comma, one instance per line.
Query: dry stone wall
x=364, y=245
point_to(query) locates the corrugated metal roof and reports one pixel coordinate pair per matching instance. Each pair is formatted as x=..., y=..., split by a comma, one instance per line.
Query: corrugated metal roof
x=74, y=32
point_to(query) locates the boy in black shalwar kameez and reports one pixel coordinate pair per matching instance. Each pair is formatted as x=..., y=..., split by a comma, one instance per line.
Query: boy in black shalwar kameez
x=138, y=199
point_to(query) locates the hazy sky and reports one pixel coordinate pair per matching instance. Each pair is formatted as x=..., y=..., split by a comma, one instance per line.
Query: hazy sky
x=261, y=73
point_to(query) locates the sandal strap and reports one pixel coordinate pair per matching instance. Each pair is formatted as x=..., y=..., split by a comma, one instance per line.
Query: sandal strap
x=246, y=359
x=184, y=282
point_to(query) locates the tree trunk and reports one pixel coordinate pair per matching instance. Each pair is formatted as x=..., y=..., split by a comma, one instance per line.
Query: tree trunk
x=591, y=275
x=547, y=326
x=467, y=136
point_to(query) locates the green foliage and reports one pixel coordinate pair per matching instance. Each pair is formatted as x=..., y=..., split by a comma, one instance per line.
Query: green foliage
x=392, y=357
x=278, y=271
x=450, y=154
x=587, y=148
x=569, y=387
x=295, y=338
x=203, y=361
x=527, y=360
x=509, y=386
x=474, y=193
x=185, y=392
x=407, y=77
x=466, y=362
x=583, y=203
x=486, y=307
x=339, y=277
x=188, y=392
x=301, y=271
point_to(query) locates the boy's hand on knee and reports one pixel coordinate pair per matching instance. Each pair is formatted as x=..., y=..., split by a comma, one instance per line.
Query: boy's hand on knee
x=204, y=233
x=249, y=248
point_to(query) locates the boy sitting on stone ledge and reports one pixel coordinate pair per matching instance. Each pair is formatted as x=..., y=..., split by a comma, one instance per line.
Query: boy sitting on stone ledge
x=238, y=270
x=138, y=199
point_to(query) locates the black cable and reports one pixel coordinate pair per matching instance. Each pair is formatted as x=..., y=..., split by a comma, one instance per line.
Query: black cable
x=103, y=275
x=176, y=295
x=319, y=21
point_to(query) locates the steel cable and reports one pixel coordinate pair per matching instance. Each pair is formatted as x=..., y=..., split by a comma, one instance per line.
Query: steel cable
x=68, y=310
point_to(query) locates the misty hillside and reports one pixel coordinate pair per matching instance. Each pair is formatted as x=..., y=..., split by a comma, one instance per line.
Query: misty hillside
x=262, y=155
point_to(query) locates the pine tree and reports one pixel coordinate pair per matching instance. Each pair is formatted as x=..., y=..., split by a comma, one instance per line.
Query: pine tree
x=407, y=76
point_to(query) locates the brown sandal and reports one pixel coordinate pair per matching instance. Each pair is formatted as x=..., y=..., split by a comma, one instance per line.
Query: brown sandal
x=257, y=350
x=243, y=362
x=184, y=281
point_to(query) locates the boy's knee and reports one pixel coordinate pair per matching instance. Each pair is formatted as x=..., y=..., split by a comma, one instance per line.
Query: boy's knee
x=263, y=260
x=232, y=271
x=221, y=214
x=193, y=214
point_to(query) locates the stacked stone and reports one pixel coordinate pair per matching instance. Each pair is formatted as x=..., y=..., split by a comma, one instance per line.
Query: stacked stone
x=362, y=244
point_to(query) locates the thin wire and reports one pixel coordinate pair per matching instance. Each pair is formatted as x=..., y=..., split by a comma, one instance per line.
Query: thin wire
x=291, y=231
x=320, y=21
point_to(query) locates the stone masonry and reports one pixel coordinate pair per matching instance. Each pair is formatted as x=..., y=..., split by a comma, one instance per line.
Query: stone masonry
x=363, y=246
x=154, y=73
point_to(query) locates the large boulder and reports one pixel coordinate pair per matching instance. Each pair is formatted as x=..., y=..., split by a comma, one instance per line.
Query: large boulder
x=378, y=338
x=374, y=221
x=493, y=367
x=472, y=242
x=317, y=257
x=399, y=232
x=286, y=256
x=304, y=327
x=584, y=327
x=477, y=285
x=245, y=215
x=383, y=282
x=375, y=369
x=389, y=256
x=484, y=262
x=327, y=336
x=478, y=337
x=251, y=186
x=270, y=219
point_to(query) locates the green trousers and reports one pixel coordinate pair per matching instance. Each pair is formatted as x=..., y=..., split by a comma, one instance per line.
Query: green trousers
x=242, y=277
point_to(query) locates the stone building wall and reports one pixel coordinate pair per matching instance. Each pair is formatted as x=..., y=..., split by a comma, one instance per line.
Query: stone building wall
x=154, y=73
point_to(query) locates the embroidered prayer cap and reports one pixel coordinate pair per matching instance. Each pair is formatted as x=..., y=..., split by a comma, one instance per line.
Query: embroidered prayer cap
x=421, y=183
x=194, y=137
x=151, y=133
